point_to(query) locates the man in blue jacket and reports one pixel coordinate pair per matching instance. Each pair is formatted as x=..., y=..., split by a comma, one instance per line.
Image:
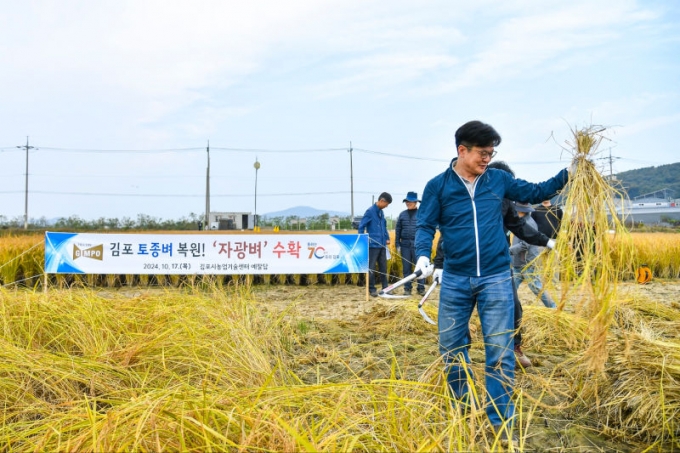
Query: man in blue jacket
x=375, y=225
x=405, y=240
x=465, y=203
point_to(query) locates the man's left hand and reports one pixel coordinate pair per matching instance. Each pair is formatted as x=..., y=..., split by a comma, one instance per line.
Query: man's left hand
x=437, y=275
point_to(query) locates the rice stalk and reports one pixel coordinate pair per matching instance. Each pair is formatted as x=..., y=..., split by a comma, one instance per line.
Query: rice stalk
x=102, y=371
x=589, y=261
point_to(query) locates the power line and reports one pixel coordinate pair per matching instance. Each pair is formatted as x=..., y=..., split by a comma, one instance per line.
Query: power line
x=260, y=150
x=140, y=195
x=120, y=151
x=264, y=150
x=402, y=156
x=166, y=150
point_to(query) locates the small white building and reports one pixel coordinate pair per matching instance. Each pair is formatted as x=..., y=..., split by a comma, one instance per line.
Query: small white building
x=231, y=220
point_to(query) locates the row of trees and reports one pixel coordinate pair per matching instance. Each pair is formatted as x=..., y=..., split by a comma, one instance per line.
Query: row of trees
x=75, y=223
x=321, y=222
x=662, y=181
x=190, y=222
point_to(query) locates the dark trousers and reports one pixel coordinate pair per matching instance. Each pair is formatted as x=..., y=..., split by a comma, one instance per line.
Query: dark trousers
x=379, y=256
x=408, y=260
x=518, y=315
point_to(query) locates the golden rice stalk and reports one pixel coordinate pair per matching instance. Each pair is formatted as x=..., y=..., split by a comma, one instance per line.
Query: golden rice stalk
x=192, y=371
x=659, y=251
x=639, y=393
x=593, y=247
x=548, y=331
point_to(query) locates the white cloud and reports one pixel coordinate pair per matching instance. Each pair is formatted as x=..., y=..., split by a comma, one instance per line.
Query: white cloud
x=391, y=76
x=527, y=44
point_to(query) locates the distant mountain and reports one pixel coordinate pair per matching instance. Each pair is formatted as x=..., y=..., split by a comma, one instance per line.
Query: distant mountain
x=652, y=181
x=304, y=212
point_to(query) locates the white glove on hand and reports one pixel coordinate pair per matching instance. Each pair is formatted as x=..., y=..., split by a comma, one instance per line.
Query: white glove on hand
x=423, y=264
x=551, y=244
x=572, y=167
x=437, y=275
x=398, y=250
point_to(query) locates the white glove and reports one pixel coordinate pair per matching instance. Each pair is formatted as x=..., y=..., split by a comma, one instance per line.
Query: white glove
x=551, y=244
x=423, y=264
x=398, y=250
x=437, y=275
x=572, y=167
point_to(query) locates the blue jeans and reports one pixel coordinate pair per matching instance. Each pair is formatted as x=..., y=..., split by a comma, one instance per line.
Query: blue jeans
x=408, y=259
x=495, y=305
x=533, y=280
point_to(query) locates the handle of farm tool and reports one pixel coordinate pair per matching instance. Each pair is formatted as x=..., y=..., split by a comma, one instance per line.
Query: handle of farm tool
x=401, y=282
x=422, y=301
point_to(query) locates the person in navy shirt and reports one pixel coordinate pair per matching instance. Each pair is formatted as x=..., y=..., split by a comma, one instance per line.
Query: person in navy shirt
x=375, y=225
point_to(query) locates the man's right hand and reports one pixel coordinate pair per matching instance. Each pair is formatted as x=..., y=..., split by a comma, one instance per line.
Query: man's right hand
x=423, y=264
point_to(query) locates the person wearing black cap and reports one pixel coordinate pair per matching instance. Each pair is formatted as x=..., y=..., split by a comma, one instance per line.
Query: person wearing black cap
x=373, y=222
x=405, y=236
x=523, y=254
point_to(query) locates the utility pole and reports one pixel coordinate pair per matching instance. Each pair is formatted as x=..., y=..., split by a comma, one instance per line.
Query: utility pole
x=207, y=190
x=26, y=186
x=351, y=179
x=256, y=165
x=611, y=161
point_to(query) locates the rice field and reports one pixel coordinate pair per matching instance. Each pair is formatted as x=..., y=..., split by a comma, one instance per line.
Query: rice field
x=311, y=366
x=22, y=260
x=315, y=368
x=307, y=363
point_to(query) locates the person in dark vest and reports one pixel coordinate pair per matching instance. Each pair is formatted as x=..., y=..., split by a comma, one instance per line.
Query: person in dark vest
x=548, y=218
x=405, y=237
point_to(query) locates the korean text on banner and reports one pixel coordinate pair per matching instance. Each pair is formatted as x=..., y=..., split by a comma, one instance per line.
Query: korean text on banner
x=188, y=254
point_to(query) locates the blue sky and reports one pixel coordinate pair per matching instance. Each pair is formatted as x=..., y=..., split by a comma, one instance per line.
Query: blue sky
x=120, y=98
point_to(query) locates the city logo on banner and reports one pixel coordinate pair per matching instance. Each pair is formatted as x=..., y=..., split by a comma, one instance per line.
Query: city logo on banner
x=95, y=252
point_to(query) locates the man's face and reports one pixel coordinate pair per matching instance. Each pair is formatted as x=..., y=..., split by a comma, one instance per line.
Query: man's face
x=382, y=204
x=474, y=159
x=411, y=205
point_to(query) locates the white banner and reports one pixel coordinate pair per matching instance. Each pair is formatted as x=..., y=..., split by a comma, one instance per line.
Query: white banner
x=188, y=254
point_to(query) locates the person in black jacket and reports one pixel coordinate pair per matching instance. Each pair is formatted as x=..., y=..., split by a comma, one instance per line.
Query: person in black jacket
x=404, y=239
x=512, y=223
x=548, y=217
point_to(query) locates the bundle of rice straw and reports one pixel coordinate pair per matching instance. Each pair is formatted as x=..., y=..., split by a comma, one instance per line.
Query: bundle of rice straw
x=593, y=248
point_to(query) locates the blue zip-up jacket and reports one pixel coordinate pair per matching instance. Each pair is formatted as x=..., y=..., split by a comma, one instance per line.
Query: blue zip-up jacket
x=472, y=226
x=373, y=222
x=405, y=233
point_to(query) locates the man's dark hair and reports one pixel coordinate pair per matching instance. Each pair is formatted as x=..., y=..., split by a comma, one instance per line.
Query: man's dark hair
x=501, y=165
x=476, y=133
x=385, y=196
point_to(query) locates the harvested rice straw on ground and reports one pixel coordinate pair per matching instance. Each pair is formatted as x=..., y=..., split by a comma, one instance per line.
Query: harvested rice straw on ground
x=593, y=247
